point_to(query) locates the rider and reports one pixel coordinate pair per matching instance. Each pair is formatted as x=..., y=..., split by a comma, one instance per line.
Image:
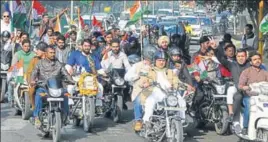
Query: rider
x=6, y=42
x=62, y=52
x=204, y=44
x=71, y=41
x=47, y=68
x=40, y=54
x=84, y=60
x=167, y=80
x=249, y=40
x=155, y=34
x=176, y=62
x=133, y=75
x=115, y=58
x=253, y=74
x=133, y=47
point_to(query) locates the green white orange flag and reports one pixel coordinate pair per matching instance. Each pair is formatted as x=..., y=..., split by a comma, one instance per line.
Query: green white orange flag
x=264, y=24
x=135, y=13
x=16, y=72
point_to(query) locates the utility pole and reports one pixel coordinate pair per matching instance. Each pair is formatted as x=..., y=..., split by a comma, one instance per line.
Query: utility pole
x=261, y=5
x=153, y=7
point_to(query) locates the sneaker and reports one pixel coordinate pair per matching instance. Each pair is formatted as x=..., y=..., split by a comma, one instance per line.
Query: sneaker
x=230, y=118
x=138, y=125
x=237, y=128
x=244, y=131
x=37, y=123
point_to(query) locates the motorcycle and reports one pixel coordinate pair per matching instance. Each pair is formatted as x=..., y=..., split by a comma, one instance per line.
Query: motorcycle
x=6, y=57
x=51, y=116
x=258, y=118
x=213, y=107
x=114, y=94
x=83, y=107
x=167, y=120
x=22, y=99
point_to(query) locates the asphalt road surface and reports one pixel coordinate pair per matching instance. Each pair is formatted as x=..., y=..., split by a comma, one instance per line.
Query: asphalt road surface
x=14, y=129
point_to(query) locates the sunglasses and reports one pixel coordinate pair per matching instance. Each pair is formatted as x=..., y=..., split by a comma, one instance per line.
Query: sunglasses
x=5, y=16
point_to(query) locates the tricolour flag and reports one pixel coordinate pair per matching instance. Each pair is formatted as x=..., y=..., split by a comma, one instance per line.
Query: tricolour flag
x=37, y=9
x=264, y=24
x=16, y=72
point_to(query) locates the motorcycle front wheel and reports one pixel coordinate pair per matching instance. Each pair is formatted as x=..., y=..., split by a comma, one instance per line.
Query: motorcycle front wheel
x=89, y=114
x=26, y=107
x=116, y=113
x=176, y=130
x=221, y=127
x=57, y=126
x=3, y=89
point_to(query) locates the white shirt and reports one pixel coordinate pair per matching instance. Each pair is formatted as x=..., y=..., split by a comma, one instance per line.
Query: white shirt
x=119, y=61
x=163, y=80
x=5, y=27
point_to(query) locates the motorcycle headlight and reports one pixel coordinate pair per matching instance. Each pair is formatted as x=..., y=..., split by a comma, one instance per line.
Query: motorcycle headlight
x=119, y=81
x=172, y=101
x=220, y=89
x=55, y=92
x=4, y=66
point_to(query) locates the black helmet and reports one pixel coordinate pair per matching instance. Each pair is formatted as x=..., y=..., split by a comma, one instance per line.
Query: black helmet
x=156, y=27
x=175, y=51
x=148, y=52
x=160, y=55
x=5, y=34
x=41, y=46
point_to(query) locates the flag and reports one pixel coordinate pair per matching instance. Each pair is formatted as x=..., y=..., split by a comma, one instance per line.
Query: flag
x=57, y=27
x=16, y=72
x=264, y=24
x=17, y=13
x=96, y=23
x=37, y=9
x=68, y=19
x=136, y=13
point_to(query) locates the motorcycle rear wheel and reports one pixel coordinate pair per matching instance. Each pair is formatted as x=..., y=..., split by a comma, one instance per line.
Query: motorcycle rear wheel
x=89, y=114
x=57, y=127
x=176, y=131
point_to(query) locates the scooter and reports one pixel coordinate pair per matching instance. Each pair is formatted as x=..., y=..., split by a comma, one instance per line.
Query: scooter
x=258, y=119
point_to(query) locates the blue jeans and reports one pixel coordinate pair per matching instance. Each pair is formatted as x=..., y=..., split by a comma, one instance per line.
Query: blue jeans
x=39, y=102
x=246, y=111
x=137, y=108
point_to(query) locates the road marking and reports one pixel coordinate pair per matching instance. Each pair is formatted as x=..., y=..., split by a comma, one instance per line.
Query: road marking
x=13, y=124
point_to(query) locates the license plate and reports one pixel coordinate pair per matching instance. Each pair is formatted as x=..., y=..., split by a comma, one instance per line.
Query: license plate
x=55, y=99
x=265, y=104
x=175, y=108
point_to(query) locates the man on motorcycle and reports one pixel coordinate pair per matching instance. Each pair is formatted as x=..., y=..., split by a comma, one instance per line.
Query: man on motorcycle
x=133, y=75
x=253, y=74
x=204, y=44
x=84, y=61
x=47, y=68
x=155, y=34
x=163, y=43
x=133, y=47
x=167, y=80
x=62, y=52
x=178, y=64
x=115, y=58
x=6, y=41
x=249, y=40
x=71, y=41
x=40, y=54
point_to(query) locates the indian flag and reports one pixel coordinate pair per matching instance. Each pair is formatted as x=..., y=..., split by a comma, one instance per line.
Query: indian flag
x=16, y=72
x=135, y=13
x=264, y=24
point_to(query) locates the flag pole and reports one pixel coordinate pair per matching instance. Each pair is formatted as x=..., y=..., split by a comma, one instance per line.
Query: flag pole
x=72, y=10
x=141, y=31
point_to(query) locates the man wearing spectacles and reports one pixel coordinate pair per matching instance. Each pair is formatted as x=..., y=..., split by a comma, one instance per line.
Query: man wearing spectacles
x=5, y=22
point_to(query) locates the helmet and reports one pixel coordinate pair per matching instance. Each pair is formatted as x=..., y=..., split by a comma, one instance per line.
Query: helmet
x=148, y=52
x=155, y=27
x=160, y=55
x=6, y=34
x=175, y=51
x=41, y=46
x=100, y=39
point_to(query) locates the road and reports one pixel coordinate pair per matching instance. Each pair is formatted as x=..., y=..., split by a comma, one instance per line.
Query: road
x=14, y=129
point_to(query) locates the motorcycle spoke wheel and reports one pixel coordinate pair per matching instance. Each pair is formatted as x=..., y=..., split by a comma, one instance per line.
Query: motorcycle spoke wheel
x=176, y=131
x=221, y=127
x=57, y=127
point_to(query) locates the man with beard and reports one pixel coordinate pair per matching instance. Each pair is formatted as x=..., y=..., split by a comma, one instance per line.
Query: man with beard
x=253, y=74
x=62, y=52
x=204, y=44
x=108, y=38
x=82, y=61
x=115, y=58
x=71, y=41
x=47, y=37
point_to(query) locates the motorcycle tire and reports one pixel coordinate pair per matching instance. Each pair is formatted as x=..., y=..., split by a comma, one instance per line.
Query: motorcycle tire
x=3, y=89
x=262, y=135
x=57, y=127
x=176, y=129
x=117, y=112
x=26, y=112
x=89, y=114
x=224, y=123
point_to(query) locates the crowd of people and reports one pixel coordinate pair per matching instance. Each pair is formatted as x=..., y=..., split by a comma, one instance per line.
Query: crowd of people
x=165, y=59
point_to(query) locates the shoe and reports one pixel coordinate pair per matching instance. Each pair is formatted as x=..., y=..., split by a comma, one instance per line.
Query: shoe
x=37, y=123
x=244, y=131
x=230, y=118
x=99, y=110
x=138, y=125
x=237, y=128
